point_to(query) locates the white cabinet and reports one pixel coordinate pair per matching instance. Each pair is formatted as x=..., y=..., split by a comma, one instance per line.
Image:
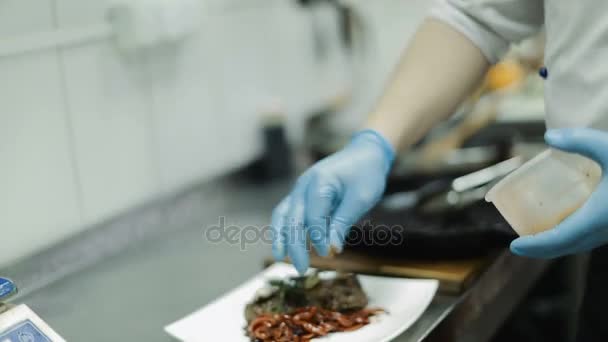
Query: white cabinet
x=38, y=191
x=109, y=115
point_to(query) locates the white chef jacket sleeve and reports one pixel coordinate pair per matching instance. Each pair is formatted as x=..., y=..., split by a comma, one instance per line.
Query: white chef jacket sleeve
x=492, y=24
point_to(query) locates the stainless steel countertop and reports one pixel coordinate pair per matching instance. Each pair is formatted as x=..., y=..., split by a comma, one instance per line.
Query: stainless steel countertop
x=124, y=280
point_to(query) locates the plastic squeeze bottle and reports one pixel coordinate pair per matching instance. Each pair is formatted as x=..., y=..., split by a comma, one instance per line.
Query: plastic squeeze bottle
x=548, y=188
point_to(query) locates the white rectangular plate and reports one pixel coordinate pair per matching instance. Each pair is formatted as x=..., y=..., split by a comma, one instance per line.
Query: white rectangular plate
x=223, y=320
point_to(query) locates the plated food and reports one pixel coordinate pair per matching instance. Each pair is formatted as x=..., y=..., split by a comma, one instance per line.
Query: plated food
x=223, y=318
x=302, y=308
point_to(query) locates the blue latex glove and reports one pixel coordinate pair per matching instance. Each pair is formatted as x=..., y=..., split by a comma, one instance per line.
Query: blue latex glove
x=330, y=197
x=586, y=228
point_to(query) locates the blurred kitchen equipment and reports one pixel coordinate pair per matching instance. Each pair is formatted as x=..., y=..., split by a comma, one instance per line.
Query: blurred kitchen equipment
x=480, y=109
x=486, y=175
x=471, y=188
x=442, y=195
x=277, y=156
x=443, y=153
x=470, y=232
x=410, y=199
x=458, y=161
x=442, y=219
x=276, y=161
x=350, y=24
x=481, y=113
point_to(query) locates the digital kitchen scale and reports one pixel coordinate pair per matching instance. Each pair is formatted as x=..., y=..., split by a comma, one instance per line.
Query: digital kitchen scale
x=19, y=323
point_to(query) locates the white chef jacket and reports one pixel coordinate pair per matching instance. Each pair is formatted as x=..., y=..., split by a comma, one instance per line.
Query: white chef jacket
x=576, y=51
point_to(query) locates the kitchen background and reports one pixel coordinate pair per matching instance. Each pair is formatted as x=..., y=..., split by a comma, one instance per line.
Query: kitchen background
x=92, y=124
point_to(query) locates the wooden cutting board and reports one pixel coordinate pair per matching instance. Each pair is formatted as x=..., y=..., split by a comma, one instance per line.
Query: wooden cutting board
x=454, y=275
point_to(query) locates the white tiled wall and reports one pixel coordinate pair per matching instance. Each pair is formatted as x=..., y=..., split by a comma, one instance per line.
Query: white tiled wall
x=85, y=133
x=108, y=114
x=190, y=116
x=39, y=201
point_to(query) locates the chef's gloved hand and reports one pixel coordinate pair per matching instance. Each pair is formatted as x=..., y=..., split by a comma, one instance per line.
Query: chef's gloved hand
x=586, y=228
x=330, y=197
